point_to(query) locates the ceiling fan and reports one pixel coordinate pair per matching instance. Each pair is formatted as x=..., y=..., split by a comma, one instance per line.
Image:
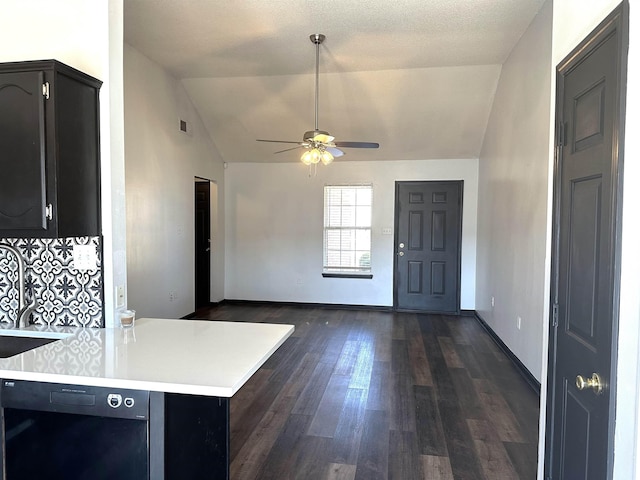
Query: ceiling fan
x=319, y=144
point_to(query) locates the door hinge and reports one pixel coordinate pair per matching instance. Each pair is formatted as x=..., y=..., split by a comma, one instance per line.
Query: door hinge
x=554, y=321
x=562, y=127
x=45, y=90
x=49, y=212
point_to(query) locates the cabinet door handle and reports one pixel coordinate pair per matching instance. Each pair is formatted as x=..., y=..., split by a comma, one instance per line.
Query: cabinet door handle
x=49, y=212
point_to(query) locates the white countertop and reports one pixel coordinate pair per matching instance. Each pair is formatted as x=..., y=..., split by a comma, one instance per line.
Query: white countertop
x=195, y=357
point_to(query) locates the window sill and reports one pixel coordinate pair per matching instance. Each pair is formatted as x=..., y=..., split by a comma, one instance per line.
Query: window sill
x=367, y=276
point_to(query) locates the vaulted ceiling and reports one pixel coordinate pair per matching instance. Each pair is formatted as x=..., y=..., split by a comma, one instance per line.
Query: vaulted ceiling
x=417, y=76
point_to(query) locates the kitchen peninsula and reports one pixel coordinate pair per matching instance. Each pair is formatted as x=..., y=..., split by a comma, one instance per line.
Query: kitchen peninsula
x=188, y=369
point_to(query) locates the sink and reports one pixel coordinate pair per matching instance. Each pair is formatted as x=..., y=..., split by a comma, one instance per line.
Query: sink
x=10, y=346
x=13, y=342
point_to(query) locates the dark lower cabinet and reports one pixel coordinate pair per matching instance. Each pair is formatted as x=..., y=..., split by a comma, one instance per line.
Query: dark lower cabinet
x=49, y=151
x=196, y=438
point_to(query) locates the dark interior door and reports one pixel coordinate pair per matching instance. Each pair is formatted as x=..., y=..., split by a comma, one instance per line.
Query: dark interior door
x=427, y=242
x=586, y=210
x=203, y=243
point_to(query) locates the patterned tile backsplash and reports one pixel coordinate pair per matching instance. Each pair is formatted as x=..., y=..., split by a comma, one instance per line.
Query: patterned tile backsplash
x=66, y=296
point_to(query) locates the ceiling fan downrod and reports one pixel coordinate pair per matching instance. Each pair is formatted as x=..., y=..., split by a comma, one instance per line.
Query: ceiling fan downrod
x=317, y=39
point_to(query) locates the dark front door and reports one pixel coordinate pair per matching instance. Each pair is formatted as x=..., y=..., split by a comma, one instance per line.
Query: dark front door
x=427, y=246
x=586, y=210
x=203, y=243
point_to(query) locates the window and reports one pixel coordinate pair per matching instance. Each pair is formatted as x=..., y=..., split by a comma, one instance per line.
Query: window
x=347, y=230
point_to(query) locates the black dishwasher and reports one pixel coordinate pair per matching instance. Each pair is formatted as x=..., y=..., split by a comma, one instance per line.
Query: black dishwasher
x=73, y=432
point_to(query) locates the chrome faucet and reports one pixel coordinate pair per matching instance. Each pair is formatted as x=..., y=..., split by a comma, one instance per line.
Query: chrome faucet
x=24, y=309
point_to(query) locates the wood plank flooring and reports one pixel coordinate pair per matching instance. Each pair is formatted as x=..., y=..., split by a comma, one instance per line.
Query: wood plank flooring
x=366, y=395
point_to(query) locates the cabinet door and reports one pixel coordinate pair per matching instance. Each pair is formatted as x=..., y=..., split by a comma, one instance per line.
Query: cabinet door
x=22, y=152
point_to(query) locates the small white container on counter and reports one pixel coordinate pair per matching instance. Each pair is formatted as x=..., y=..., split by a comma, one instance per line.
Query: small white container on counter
x=127, y=318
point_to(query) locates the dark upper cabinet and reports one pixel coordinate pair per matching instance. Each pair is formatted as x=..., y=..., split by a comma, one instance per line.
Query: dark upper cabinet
x=49, y=151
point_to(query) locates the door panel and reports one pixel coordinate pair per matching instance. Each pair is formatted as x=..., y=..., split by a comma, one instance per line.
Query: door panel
x=428, y=233
x=585, y=230
x=438, y=279
x=415, y=277
x=22, y=133
x=586, y=212
x=416, y=230
x=438, y=231
x=577, y=420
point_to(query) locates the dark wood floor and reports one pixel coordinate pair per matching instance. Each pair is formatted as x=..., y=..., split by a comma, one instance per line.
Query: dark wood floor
x=379, y=395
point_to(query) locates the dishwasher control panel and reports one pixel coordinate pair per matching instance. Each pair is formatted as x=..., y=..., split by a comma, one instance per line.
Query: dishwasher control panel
x=77, y=399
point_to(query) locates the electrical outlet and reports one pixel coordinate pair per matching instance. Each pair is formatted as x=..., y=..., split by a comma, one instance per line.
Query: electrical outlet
x=120, y=296
x=173, y=296
x=387, y=231
x=519, y=322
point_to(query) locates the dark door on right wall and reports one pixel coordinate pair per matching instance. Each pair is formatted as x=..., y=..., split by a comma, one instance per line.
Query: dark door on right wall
x=585, y=273
x=428, y=232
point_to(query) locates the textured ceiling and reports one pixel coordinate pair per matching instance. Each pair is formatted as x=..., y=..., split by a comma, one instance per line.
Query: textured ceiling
x=417, y=76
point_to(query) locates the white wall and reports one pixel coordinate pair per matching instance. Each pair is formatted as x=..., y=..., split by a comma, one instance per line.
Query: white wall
x=112, y=179
x=75, y=32
x=161, y=163
x=513, y=198
x=628, y=427
x=274, y=224
x=87, y=36
x=574, y=20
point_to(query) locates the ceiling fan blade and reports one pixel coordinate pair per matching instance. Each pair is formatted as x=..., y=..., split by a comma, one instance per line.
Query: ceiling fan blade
x=278, y=141
x=288, y=149
x=357, y=144
x=336, y=152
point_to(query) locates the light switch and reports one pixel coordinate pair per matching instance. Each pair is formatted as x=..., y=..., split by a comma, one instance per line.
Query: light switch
x=85, y=257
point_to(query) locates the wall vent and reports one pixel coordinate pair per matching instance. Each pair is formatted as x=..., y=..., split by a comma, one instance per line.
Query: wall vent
x=183, y=126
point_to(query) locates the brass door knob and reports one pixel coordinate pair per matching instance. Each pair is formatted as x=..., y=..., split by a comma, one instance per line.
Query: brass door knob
x=593, y=383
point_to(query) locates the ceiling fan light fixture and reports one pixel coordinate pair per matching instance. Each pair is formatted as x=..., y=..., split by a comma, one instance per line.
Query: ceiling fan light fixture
x=311, y=157
x=315, y=156
x=327, y=158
